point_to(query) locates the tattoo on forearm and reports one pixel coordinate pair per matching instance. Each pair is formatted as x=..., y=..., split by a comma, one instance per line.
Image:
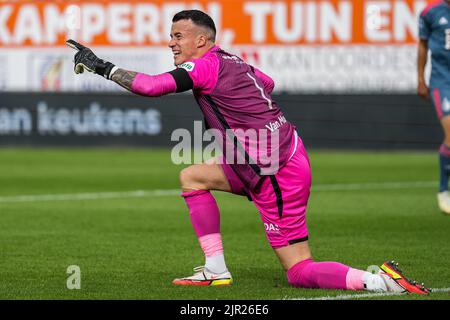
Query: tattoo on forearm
x=124, y=78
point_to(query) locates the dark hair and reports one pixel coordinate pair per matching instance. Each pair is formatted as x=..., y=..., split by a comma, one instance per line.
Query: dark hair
x=199, y=18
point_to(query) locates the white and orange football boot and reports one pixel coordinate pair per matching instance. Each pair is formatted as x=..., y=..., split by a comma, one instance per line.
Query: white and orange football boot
x=204, y=277
x=396, y=282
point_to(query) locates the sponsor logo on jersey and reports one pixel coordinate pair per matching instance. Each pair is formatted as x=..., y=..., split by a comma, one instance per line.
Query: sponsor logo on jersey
x=271, y=227
x=272, y=126
x=188, y=66
x=443, y=21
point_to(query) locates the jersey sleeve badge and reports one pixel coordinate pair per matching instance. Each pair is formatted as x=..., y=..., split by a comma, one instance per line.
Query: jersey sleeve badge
x=188, y=66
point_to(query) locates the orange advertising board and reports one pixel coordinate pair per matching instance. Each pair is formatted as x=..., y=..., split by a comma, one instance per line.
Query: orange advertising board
x=239, y=22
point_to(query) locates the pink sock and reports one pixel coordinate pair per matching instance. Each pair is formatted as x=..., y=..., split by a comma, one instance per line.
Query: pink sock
x=211, y=244
x=355, y=279
x=326, y=275
x=205, y=218
x=204, y=212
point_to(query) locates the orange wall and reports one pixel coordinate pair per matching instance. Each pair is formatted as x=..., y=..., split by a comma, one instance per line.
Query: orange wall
x=24, y=23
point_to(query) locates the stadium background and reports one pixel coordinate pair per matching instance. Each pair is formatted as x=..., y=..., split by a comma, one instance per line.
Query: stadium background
x=345, y=75
x=345, y=71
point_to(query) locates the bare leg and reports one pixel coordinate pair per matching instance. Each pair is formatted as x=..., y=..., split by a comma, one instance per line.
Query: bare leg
x=205, y=176
x=293, y=254
x=445, y=122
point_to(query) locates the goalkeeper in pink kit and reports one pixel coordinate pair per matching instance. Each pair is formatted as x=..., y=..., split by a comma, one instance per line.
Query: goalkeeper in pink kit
x=234, y=96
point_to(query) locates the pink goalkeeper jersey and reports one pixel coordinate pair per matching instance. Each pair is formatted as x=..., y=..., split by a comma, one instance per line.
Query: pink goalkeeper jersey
x=237, y=102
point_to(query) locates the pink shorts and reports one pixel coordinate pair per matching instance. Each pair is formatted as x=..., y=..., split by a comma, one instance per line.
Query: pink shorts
x=281, y=199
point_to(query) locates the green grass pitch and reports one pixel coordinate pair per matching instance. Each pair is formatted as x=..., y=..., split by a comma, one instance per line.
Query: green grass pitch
x=365, y=208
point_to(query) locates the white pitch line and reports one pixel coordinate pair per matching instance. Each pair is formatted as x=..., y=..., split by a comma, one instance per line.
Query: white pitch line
x=90, y=196
x=364, y=295
x=374, y=185
x=176, y=192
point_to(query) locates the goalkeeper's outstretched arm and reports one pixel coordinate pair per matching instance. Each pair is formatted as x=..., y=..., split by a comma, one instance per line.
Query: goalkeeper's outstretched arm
x=177, y=80
x=124, y=78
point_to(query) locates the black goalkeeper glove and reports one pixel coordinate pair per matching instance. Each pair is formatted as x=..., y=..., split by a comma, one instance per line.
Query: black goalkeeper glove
x=85, y=59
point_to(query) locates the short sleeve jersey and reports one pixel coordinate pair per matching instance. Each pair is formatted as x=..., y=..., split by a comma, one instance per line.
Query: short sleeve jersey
x=434, y=26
